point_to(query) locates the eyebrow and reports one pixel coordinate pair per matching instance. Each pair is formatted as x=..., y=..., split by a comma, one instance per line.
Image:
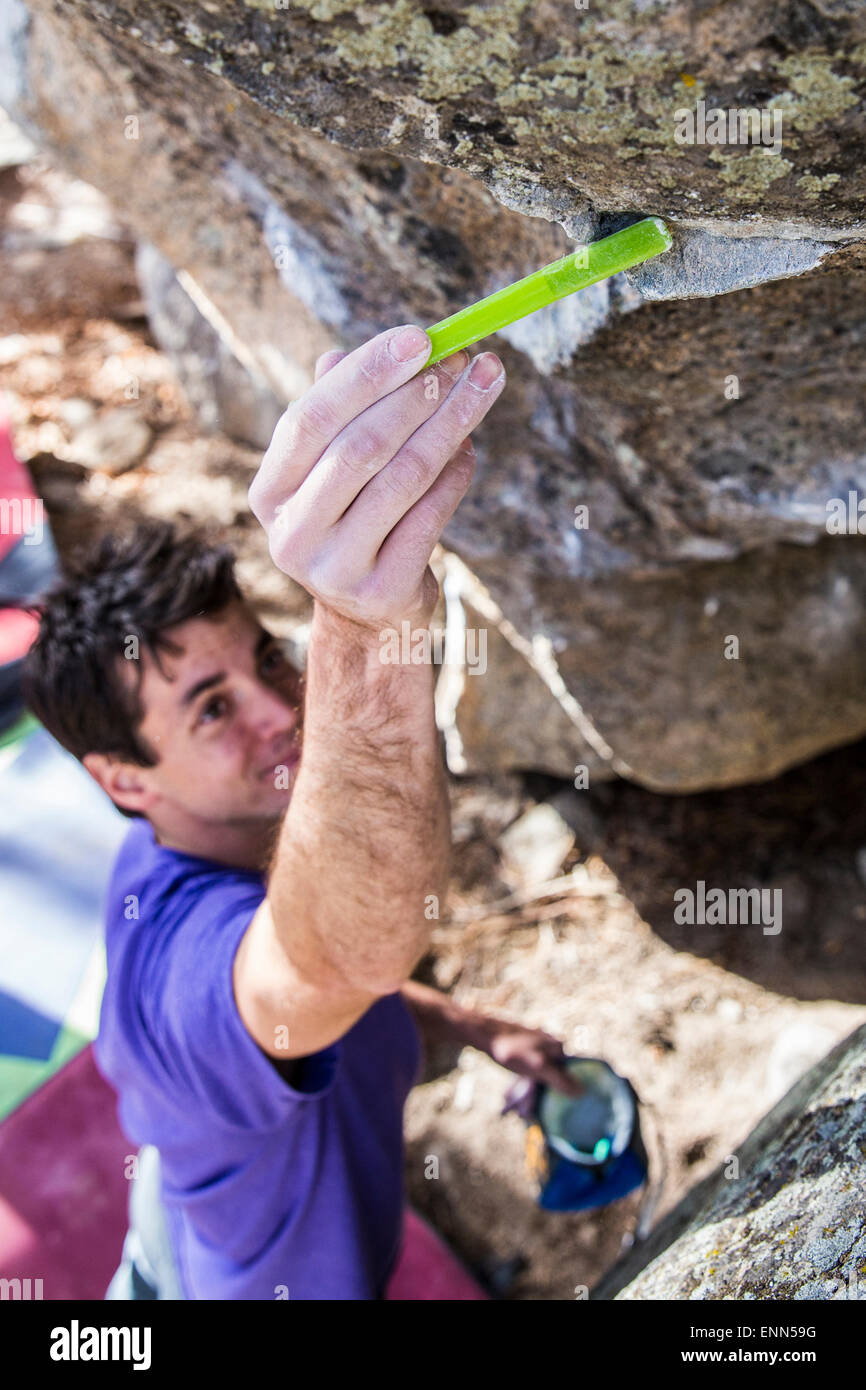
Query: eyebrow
x=264, y=640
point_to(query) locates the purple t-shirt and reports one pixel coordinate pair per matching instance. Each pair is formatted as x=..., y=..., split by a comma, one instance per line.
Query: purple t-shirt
x=271, y=1190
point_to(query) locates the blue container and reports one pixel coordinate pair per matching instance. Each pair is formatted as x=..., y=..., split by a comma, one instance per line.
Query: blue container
x=591, y=1150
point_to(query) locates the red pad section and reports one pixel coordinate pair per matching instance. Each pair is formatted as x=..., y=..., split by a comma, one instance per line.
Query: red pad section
x=63, y=1196
x=15, y=482
x=63, y=1199
x=17, y=634
x=427, y=1269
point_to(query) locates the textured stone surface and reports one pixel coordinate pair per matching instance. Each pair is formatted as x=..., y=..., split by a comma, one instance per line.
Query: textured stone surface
x=704, y=263
x=465, y=146
x=223, y=384
x=785, y=1222
x=580, y=103
x=114, y=442
x=508, y=720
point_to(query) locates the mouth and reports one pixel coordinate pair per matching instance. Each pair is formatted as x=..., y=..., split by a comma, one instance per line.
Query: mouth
x=288, y=759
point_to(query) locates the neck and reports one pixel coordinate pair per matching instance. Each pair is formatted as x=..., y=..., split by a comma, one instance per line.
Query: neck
x=245, y=844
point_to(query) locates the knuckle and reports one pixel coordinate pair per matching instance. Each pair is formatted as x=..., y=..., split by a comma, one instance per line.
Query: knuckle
x=361, y=452
x=378, y=365
x=410, y=472
x=314, y=422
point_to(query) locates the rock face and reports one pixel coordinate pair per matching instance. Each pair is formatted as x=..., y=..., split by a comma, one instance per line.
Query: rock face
x=652, y=491
x=223, y=384
x=782, y=1219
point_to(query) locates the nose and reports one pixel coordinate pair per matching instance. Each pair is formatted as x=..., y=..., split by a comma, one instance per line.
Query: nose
x=270, y=713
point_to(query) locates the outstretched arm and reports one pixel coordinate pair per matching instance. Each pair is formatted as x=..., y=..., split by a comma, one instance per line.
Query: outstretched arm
x=527, y=1051
x=361, y=477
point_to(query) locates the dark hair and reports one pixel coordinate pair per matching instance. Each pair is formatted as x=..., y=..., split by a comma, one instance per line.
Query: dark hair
x=134, y=584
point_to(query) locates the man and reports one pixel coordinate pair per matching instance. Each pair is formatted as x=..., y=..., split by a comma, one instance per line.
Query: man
x=269, y=906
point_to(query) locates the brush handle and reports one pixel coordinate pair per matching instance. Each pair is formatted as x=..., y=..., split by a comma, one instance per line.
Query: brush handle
x=585, y=266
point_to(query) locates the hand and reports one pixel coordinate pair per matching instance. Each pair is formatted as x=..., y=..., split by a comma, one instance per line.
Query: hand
x=528, y=1052
x=365, y=469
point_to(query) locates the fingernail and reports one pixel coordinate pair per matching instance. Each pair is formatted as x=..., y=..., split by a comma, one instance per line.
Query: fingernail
x=453, y=366
x=408, y=343
x=485, y=370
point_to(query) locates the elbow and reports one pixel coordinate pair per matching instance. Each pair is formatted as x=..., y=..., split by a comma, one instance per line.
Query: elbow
x=387, y=975
x=378, y=982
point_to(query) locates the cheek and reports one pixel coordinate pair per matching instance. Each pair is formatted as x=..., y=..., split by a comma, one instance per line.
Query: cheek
x=233, y=752
x=205, y=764
x=204, y=768
x=190, y=769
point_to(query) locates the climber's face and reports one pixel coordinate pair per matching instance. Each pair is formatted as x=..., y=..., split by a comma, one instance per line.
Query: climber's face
x=222, y=717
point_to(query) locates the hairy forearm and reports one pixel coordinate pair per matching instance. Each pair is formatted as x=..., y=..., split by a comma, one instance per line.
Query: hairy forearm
x=365, y=841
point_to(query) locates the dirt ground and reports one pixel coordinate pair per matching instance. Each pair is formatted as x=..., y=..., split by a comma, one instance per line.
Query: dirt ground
x=711, y=1025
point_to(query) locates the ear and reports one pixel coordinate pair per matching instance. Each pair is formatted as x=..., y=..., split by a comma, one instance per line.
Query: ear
x=127, y=784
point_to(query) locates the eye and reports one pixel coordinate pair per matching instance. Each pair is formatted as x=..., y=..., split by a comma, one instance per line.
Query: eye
x=274, y=661
x=214, y=709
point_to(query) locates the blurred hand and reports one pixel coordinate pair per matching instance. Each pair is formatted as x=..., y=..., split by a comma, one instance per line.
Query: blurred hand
x=365, y=469
x=528, y=1052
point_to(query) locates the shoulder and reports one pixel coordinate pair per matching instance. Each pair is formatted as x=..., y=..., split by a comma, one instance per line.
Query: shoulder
x=173, y=924
x=157, y=886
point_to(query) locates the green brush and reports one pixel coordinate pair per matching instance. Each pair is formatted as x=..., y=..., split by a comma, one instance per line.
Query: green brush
x=585, y=266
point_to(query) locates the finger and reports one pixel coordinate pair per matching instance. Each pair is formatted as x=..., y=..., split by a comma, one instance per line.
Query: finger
x=369, y=443
x=327, y=360
x=414, y=538
x=560, y=1080
x=351, y=386
x=413, y=470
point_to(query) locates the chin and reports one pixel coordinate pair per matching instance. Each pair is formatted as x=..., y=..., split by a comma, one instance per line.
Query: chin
x=277, y=798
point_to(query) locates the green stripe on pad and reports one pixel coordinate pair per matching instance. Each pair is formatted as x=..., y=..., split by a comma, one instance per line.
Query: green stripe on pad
x=21, y=1076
